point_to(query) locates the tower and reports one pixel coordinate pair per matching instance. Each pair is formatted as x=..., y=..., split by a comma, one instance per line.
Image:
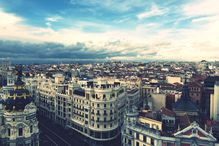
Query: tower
x=18, y=115
x=185, y=104
x=214, y=103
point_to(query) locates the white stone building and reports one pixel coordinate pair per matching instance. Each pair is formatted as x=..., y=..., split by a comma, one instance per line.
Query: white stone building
x=18, y=122
x=93, y=108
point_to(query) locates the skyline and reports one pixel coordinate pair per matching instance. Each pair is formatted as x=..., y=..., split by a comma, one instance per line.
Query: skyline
x=115, y=29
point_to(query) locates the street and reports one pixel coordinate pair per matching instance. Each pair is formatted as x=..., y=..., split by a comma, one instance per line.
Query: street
x=52, y=134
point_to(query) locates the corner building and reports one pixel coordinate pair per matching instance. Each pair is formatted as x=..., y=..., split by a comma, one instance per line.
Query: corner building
x=18, y=122
x=93, y=108
x=98, y=109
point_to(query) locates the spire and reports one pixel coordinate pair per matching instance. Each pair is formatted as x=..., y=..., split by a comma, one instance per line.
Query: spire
x=185, y=90
x=19, y=75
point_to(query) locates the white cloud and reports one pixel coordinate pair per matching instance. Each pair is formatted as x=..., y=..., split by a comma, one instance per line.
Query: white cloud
x=48, y=24
x=8, y=19
x=54, y=19
x=202, y=7
x=205, y=19
x=154, y=11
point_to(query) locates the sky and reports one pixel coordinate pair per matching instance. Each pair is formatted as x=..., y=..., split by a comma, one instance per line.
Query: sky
x=185, y=30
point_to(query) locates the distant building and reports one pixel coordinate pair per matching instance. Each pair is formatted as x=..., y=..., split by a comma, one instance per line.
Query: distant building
x=214, y=103
x=209, y=84
x=195, y=92
x=158, y=101
x=185, y=104
x=134, y=97
x=168, y=119
x=173, y=79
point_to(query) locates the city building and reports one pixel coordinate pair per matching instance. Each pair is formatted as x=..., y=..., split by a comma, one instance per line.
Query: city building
x=173, y=79
x=195, y=92
x=94, y=108
x=185, y=104
x=214, y=103
x=141, y=130
x=209, y=84
x=18, y=122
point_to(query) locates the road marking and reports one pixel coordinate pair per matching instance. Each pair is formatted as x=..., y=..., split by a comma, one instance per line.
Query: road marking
x=55, y=134
x=51, y=140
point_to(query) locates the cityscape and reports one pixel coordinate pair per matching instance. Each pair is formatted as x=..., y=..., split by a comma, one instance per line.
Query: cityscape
x=109, y=73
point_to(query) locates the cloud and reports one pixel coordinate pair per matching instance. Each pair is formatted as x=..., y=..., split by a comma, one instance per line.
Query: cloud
x=154, y=11
x=120, y=6
x=145, y=40
x=204, y=19
x=201, y=7
x=54, y=18
x=17, y=49
x=8, y=19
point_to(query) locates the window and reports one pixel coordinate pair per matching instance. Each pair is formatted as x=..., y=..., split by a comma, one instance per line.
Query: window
x=87, y=96
x=97, y=96
x=129, y=142
x=137, y=136
x=130, y=132
x=31, y=129
x=20, y=131
x=194, y=131
x=104, y=126
x=152, y=141
x=137, y=143
x=9, y=132
x=144, y=138
x=98, y=126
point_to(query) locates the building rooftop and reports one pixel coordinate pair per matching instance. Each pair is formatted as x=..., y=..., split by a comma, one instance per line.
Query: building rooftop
x=167, y=112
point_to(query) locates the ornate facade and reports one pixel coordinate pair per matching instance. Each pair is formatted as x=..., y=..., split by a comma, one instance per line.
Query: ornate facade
x=93, y=108
x=18, y=122
x=143, y=131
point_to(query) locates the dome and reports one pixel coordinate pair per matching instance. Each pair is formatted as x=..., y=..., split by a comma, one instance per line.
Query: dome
x=18, y=97
x=17, y=100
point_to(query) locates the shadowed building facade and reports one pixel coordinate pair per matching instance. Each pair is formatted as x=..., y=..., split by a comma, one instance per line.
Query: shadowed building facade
x=185, y=104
